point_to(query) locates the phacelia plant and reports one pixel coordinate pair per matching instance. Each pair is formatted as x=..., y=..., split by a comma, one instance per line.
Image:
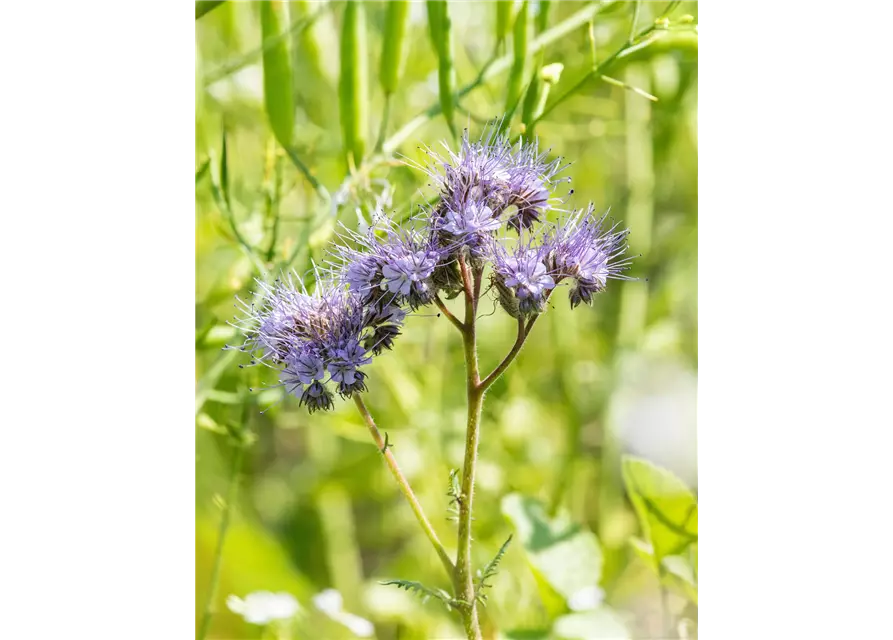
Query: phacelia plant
x=490, y=223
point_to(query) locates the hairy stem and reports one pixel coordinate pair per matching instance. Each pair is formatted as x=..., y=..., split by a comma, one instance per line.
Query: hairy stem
x=523, y=332
x=449, y=315
x=384, y=447
x=464, y=577
x=231, y=492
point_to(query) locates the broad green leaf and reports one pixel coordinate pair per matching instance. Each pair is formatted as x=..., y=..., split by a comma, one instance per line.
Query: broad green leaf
x=602, y=623
x=666, y=508
x=278, y=93
x=564, y=556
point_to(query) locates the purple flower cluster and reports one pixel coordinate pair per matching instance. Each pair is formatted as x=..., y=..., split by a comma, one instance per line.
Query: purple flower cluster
x=494, y=196
x=317, y=340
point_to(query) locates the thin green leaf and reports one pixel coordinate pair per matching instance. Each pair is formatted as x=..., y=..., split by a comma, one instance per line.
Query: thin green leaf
x=224, y=171
x=278, y=93
x=202, y=171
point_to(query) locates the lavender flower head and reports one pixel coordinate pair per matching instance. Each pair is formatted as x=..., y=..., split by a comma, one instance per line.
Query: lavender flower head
x=583, y=251
x=393, y=267
x=494, y=175
x=522, y=278
x=315, y=340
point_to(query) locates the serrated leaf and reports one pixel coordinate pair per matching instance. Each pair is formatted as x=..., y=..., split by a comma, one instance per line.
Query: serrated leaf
x=424, y=592
x=602, y=623
x=666, y=508
x=489, y=570
x=563, y=555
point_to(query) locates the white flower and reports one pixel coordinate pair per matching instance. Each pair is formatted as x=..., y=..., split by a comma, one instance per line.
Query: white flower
x=262, y=607
x=586, y=599
x=330, y=603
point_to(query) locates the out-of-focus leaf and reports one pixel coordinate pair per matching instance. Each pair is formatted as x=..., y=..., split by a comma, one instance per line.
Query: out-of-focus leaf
x=204, y=6
x=526, y=634
x=678, y=572
x=602, y=623
x=563, y=555
x=666, y=508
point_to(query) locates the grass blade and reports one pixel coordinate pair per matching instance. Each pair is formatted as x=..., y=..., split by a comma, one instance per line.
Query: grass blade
x=278, y=94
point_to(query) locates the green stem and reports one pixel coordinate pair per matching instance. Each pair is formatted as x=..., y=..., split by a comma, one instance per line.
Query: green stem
x=231, y=492
x=464, y=578
x=385, y=450
x=383, y=128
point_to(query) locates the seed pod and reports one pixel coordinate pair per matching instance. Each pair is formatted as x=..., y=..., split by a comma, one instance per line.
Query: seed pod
x=503, y=19
x=542, y=18
x=519, y=46
x=393, y=45
x=352, y=88
x=440, y=30
x=278, y=94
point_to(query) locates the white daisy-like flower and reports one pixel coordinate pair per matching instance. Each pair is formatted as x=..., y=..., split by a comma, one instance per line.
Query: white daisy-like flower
x=586, y=599
x=263, y=607
x=330, y=603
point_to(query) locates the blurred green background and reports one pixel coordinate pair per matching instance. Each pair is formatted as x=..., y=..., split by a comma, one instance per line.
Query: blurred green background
x=316, y=508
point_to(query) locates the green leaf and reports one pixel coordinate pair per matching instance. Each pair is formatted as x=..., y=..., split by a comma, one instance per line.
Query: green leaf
x=666, y=508
x=424, y=592
x=202, y=170
x=202, y=7
x=564, y=556
x=678, y=571
x=592, y=625
x=489, y=570
x=278, y=93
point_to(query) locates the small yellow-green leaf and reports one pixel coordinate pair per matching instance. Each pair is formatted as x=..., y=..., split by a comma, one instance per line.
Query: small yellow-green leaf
x=278, y=93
